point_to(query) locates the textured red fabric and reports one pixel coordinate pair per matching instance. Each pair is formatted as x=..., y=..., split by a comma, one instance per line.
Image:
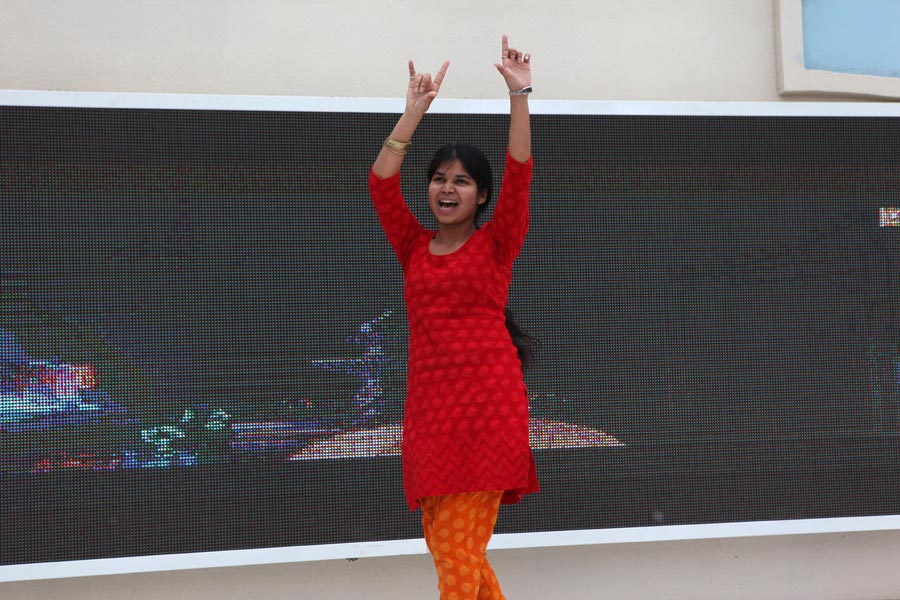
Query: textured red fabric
x=466, y=414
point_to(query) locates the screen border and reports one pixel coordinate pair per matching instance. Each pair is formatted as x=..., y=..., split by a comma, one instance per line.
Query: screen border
x=125, y=565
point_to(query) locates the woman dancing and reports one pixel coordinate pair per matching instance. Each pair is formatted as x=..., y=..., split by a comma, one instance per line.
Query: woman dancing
x=465, y=438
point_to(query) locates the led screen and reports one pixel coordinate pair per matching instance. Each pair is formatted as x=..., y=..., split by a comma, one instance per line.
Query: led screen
x=203, y=337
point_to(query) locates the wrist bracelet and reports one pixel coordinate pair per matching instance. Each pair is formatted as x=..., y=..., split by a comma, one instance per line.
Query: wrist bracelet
x=395, y=147
x=524, y=91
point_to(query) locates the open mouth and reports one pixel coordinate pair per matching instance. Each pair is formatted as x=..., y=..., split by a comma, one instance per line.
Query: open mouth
x=447, y=204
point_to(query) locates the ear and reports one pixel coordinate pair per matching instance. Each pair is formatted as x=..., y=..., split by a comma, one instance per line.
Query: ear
x=482, y=197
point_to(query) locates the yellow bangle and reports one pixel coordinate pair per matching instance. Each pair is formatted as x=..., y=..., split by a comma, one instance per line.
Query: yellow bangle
x=395, y=147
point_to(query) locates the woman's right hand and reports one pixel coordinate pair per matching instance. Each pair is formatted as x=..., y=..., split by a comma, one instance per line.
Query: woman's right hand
x=423, y=88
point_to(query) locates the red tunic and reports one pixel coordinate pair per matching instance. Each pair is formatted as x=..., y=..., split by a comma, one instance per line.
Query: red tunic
x=466, y=415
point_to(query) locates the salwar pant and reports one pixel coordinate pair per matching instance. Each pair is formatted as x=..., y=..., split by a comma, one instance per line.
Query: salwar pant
x=457, y=530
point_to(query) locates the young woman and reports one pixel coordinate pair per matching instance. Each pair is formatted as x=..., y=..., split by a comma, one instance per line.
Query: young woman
x=465, y=439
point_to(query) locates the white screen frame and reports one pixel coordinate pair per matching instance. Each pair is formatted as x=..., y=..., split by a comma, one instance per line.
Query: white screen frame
x=125, y=565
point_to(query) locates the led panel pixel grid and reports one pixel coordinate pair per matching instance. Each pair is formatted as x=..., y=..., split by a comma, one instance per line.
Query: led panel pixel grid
x=202, y=333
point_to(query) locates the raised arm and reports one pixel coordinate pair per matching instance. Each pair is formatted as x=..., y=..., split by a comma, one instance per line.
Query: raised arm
x=422, y=90
x=515, y=66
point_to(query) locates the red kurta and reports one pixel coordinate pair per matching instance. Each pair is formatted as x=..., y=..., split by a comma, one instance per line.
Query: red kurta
x=466, y=416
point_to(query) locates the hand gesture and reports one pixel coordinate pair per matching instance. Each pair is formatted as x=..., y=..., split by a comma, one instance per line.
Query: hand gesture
x=515, y=66
x=423, y=88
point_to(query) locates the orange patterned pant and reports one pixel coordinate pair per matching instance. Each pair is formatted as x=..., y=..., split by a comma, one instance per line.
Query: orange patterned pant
x=457, y=530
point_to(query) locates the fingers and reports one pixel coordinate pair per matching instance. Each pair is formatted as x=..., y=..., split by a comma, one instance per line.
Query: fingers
x=419, y=78
x=439, y=78
x=518, y=56
x=420, y=83
x=424, y=82
x=512, y=54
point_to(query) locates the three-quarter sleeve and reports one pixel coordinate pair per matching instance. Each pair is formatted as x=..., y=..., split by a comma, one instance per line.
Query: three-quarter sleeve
x=510, y=221
x=399, y=224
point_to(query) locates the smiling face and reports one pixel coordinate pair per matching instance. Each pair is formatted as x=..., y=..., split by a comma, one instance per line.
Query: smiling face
x=453, y=195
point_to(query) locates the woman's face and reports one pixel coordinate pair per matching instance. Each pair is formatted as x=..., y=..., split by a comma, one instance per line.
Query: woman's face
x=453, y=195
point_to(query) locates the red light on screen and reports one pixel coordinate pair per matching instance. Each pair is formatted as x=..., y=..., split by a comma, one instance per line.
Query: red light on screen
x=85, y=376
x=889, y=217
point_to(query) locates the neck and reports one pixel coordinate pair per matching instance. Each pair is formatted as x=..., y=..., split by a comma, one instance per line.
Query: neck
x=454, y=235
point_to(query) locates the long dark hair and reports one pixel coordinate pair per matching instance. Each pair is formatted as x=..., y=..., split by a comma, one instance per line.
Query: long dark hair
x=479, y=169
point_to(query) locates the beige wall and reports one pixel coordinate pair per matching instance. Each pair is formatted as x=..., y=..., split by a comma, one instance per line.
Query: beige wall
x=602, y=50
x=605, y=50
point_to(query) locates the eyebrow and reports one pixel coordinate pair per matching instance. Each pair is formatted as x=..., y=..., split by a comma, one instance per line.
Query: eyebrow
x=458, y=174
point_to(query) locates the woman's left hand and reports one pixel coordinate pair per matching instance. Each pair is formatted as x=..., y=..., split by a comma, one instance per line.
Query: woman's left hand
x=515, y=66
